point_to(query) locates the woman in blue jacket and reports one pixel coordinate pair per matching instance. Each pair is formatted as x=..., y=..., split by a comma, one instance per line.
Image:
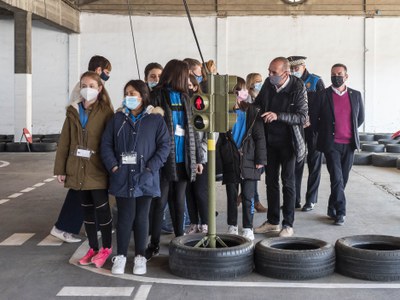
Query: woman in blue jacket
x=135, y=145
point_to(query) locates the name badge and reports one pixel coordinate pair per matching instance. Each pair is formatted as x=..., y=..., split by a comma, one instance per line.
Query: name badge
x=83, y=153
x=129, y=158
x=179, y=131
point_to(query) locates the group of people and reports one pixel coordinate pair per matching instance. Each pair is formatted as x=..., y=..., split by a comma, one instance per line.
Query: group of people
x=148, y=155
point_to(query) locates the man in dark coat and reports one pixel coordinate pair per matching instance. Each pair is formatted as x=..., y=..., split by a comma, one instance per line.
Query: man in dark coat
x=283, y=103
x=313, y=84
x=340, y=111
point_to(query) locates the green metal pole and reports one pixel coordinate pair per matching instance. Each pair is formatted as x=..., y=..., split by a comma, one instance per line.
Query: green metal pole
x=212, y=229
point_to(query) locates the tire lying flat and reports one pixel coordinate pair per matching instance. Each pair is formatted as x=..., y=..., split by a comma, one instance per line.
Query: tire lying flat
x=43, y=147
x=362, y=158
x=373, y=148
x=370, y=257
x=386, y=160
x=16, y=147
x=211, y=263
x=294, y=258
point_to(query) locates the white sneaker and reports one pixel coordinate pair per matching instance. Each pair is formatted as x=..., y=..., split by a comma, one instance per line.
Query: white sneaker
x=140, y=265
x=119, y=263
x=64, y=236
x=248, y=233
x=193, y=228
x=204, y=228
x=233, y=229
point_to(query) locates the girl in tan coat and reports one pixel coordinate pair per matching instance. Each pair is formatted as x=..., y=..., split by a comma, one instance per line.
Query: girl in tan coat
x=78, y=163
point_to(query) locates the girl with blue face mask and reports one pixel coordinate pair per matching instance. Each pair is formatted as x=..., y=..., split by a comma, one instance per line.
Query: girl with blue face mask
x=254, y=83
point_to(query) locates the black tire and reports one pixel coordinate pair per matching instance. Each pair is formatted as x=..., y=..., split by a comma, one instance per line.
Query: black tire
x=43, y=147
x=49, y=140
x=16, y=147
x=398, y=164
x=370, y=257
x=373, y=148
x=369, y=142
x=294, y=258
x=386, y=160
x=2, y=147
x=362, y=158
x=366, y=137
x=219, y=263
x=393, y=148
x=3, y=137
x=387, y=141
x=380, y=136
x=55, y=137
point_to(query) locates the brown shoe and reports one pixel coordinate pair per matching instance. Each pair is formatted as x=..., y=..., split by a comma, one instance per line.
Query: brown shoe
x=259, y=207
x=239, y=199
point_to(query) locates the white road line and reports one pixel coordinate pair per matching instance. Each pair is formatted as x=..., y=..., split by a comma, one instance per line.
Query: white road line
x=39, y=184
x=95, y=291
x=48, y=179
x=17, y=239
x=50, y=241
x=4, y=201
x=143, y=292
x=3, y=163
x=14, y=195
x=27, y=190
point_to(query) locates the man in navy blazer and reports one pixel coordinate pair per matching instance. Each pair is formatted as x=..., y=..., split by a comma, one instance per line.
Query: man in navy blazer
x=339, y=112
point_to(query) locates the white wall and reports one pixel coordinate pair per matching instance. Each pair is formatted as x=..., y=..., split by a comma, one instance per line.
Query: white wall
x=241, y=45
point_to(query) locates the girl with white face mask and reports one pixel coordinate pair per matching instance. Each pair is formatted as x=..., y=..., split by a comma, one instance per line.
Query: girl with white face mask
x=78, y=164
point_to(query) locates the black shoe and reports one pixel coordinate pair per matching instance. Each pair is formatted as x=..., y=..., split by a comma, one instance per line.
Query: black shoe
x=331, y=213
x=339, y=220
x=297, y=205
x=308, y=207
x=152, y=251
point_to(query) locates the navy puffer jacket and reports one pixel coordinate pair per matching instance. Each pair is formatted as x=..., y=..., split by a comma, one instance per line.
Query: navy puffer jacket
x=150, y=139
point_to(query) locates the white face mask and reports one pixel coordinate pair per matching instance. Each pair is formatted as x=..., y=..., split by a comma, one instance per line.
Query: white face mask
x=89, y=94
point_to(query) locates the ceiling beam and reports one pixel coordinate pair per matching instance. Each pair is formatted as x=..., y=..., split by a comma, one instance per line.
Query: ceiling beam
x=54, y=12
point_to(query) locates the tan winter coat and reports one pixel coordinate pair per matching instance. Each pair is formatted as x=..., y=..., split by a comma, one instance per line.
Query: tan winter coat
x=82, y=174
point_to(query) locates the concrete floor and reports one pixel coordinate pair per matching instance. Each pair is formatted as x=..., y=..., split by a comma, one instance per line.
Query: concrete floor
x=31, y=271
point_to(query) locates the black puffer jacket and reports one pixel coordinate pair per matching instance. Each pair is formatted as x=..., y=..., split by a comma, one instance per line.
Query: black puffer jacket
x=160, y=97
x=238, y=164
x=296, y=112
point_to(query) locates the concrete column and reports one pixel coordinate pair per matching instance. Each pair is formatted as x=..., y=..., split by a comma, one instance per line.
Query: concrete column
x=74, y=58
x=369, y=74
x=222, y=45
x=23, y=73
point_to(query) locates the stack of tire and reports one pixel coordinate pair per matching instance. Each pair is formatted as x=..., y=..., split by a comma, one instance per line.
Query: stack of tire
x=40, y=143
x=379, y=150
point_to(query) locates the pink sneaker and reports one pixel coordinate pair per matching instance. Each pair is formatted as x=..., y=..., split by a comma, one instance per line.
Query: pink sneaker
x=101, y=257
x=87, y=259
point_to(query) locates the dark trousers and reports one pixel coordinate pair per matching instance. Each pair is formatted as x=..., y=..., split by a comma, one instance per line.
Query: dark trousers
x=277, y=158
x=314, y=162
x=133, y=213
x=197, y=198
x=96, y=210
x=232, y=190
x=339, y=161
x=70, y=218
x=176, y=202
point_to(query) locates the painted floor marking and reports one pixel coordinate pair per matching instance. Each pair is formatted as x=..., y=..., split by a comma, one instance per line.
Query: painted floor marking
x=15, y=195
x=143, y=292
x=50, y=241
x=17, y=239
x=49, y=179
x=4, y=201
x=3, y=163
x=39, y=184
x=27, y=190
x=95, y=291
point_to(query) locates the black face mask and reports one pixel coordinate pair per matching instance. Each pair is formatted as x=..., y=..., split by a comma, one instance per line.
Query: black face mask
x=337, y=81
x=191, y=93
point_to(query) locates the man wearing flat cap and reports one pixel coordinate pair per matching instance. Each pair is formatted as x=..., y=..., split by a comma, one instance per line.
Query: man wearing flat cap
x=313, y=84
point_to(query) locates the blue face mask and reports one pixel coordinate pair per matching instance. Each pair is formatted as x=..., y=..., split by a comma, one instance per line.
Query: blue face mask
x=257, y=86
x=104, y=76
x=297, y=74
x=131, y=102
x=199, y=78
x=152, y=84
x=275, y=79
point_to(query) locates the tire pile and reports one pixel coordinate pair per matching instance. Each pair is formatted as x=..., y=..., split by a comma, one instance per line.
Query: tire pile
x=379, y=150
x=41, y=143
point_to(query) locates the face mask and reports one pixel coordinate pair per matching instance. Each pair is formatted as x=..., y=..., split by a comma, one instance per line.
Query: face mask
x=152, y=84
x=242, y=95
x=104, y=76
x=275, y=79
x=89, y=94
x=131, y=102
x=297, y=74
x=257, y=86
x=337, y=81
x=199, y=78
x=191, y=93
